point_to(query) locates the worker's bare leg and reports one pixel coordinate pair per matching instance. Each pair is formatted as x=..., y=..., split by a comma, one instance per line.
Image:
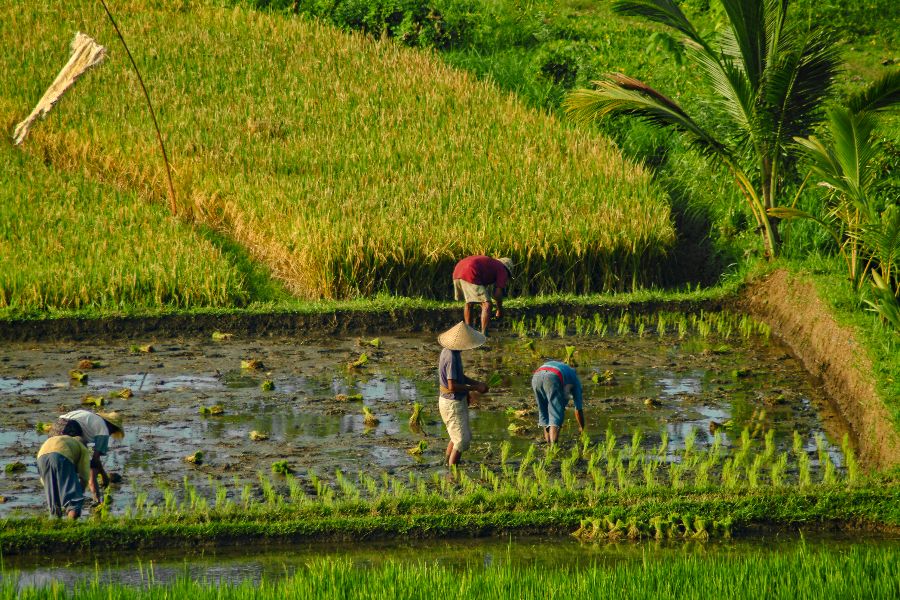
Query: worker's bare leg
x=467, y=314
x=485, y=316
x=552, y=434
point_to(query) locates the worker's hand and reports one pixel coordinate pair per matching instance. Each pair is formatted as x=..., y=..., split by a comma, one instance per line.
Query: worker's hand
x=481, y=388
x=498, y=313
x=103, y=476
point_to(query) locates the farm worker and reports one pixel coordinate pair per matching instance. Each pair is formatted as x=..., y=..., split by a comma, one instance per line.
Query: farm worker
x=553, y=383
x=96, y=429
x=479, y=280
x=453, y=401
x=64, y=464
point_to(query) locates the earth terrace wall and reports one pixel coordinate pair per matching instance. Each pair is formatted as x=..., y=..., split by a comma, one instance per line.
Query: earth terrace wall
x=790, y=305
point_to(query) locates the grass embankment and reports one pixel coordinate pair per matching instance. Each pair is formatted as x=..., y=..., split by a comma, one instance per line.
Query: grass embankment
x=68, y=242
x=803, y=573
x=345, y=165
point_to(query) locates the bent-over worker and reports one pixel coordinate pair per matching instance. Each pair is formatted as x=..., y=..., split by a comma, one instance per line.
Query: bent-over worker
x=64, y=464
x=453, y=401
x=96, y=429
x=552, y=384
x=480, y=280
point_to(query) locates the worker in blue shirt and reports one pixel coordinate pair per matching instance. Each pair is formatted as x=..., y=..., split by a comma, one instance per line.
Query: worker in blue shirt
x=553, y=383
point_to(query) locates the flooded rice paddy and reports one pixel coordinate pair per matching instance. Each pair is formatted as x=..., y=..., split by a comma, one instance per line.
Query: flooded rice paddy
x=688, y=386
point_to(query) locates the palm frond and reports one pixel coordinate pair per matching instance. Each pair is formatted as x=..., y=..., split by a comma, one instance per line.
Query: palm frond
x=882, y=94
x=798, y=81
x=745, y=39
x=882, y=238
x=734, y=93
x=626, y=95
x=665, y=12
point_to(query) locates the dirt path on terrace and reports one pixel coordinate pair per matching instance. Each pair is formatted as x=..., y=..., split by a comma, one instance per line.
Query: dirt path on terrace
x=790, y=305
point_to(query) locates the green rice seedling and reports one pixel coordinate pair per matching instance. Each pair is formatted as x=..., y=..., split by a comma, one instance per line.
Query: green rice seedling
x=415, y=419
x=804, y=477
x=850, y=462
x=359, y=362
x=676, y=472
x=622, y=479
x=419, y=449
x=570, y=356
x=374, y=342
x=682, y=327
x=598, y=480
x=821, y=449
x=494, y=380
x=282, y=467
x=797, y=444
x=550, y=454
x=543, y=326
x=221, y=497
x=96, y=401
x=78, y=376
x=610, y=442
x=246, y=496
x=517, y=429
x=637, y=438
x=730, y=474
x=296, y=494
x=641, y=329
x=349, y=397
x=769, y=451
x=141, y=349
x=753, y=471
x=267, y=385
x=348, y=490
x=122, y=394
x=585, y=440
x=252, y=364
x=561, y=325
x=505, y=449
x=700, y=531
x=624, y=324
x=258, y=436
x=521, y=475
x=212, y=411
x=369, y=419
x=14, y=467
x=195, y=459
x=690, y=441
x=701, y=475
x=829, y=475
x=650, y=475
x=567, y=473
x=41, y=427
x=218, y=336
x=742, y=455
x=778, y=470
x=268, y=488
x=528, y=344
x=634, y=529
x=663, y=447
x=581, y=325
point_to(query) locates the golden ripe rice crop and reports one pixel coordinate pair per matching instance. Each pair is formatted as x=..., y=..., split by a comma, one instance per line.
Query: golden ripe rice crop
x=347, y=166
x=69, y=243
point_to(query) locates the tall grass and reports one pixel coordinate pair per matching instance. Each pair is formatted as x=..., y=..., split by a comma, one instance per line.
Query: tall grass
x=67, y=242
x=804, y=573
x=346, y=165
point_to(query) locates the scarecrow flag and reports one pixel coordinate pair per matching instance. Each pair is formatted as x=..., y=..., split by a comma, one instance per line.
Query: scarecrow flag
x=86, y=53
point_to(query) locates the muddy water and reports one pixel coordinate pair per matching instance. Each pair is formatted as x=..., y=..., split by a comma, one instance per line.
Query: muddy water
x=274, y=562
x=693, y=383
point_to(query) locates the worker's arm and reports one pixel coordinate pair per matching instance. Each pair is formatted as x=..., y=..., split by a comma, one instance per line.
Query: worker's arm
x=470, y=385
x=98, y=470
x=578, y=399
x=498, y=298
x=86, y=473
x=579, y=417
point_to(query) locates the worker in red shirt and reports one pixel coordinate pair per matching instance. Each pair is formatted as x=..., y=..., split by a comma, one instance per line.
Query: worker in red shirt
x=479, y=280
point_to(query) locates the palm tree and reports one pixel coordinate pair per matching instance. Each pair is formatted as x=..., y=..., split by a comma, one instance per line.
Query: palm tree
x=867, y=235
x=768, y=76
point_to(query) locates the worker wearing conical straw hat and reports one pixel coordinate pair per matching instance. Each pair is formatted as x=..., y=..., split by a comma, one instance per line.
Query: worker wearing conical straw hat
x=453, y=401
x=96, y=429
x=481, y=280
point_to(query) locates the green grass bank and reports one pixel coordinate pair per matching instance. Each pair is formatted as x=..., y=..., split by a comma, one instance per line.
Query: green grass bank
x=805, y=573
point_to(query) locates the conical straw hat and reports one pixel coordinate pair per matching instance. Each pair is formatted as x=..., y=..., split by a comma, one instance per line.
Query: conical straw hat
x=508, y=263
x=461, y=337
x=115, y=420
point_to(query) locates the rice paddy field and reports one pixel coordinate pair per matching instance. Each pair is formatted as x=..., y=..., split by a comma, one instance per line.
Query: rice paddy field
x=68, y=242
x=344, y=165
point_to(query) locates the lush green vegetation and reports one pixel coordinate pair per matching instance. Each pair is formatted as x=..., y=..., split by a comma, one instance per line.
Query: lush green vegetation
x=67, y=242
x=346, y=166
x=807, y=572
